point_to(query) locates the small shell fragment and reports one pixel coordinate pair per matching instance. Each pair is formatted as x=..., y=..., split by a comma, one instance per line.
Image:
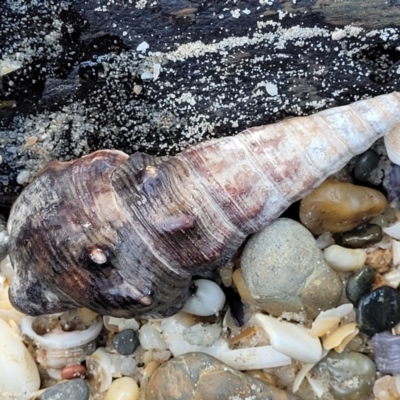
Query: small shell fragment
x=342, y=259
x=290, y=339
x=340, y=337
x=392, y=278
x=387, y=352
x=393, y=231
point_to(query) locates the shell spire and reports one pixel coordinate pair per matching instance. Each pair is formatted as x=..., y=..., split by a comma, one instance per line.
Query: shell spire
x=124, y=236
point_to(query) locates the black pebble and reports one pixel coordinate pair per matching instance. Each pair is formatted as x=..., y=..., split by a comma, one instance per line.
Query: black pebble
x=360, y=284
x=361, y=237
x=365, y=166
x=75, y=389
x=126, y=342
x=379, y=310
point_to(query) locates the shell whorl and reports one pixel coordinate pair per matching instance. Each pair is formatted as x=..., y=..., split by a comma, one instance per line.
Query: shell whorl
x=123, y=236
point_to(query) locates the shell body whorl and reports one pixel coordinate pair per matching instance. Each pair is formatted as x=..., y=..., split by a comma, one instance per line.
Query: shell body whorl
x=123, y=236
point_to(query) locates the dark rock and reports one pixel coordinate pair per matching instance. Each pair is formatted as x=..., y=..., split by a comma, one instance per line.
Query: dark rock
x=126, y=342
x=360, y=284
x=361, y=237
x=200, y=376
x=387, y=352
x=379, y=310
x=75, y=389
x=366, y=168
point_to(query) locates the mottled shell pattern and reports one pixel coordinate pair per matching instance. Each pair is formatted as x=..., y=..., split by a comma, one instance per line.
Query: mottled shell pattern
x=123, y=236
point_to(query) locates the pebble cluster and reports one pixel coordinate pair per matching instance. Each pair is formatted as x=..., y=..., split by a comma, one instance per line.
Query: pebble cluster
x=309, y=309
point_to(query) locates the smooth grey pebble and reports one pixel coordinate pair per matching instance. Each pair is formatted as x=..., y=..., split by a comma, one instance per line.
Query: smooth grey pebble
x=75, y=389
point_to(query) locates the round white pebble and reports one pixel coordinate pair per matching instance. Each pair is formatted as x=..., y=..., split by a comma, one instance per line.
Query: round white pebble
x=208, y=299
x=342, y=259
x=124, y=388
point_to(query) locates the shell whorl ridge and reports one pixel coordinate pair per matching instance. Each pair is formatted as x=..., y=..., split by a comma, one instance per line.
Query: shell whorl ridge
x=124, y=235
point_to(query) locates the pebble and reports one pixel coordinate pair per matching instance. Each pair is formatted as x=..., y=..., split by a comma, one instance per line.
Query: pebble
x=379, y=310
x=207, y=299
x=284, y=270
x=124, y=388
x=75, y=389
x=198, y=376
x=73, y=371
x=363, y=236
x=380, y=260
x=126, y=342
x=348, y=375
x=360, y=284
x=387, y=352
x=366, y=168
x=340, y=206
x=342, y=259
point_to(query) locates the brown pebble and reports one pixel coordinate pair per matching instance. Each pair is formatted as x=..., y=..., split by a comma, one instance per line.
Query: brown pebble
x=31, y=140
x=198, y=376
x=340, y=206
x=380, y=260
x=73, y=371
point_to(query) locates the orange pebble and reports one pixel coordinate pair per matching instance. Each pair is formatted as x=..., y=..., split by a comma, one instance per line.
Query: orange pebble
x=73, y=371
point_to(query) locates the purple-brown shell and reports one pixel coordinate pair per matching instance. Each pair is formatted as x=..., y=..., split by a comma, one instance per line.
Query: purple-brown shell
x=123, y=235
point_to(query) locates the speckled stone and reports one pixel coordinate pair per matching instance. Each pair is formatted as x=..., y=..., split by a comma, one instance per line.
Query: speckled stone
x=378, y=310
x=75, y=389
x=126, y=342
x=360, y=284
x=198, y=376
x=348, y=375
x=285, y=270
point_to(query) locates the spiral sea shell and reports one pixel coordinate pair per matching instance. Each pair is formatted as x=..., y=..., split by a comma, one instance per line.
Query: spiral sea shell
x=124, y=235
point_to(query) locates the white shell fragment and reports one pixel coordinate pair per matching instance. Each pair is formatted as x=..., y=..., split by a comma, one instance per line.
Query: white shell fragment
x=254, y=358
x=18, y=372
x=7, y=66
x=393, y=231
x=290, y=339
x=392, y=278
x=328, y=320
x=143, y=47
x=342, y=259
x=396, y=252
x=99, y=370
x=207, y=300
x=114, y=324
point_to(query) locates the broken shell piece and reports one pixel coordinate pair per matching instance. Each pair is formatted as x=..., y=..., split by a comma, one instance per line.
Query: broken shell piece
x=385, y=388
x=254, y=358
x=57, y=348
x=340, y=337
x=99, y=371
x=290, y=339
x=150, y=336
x=114, y=324
x=18, y=371
x=387, y=352
x=393, y=231
x=392, y=278
x=328, y=320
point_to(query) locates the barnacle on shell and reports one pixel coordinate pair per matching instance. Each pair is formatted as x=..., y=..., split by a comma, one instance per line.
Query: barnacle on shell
x=123, y=235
